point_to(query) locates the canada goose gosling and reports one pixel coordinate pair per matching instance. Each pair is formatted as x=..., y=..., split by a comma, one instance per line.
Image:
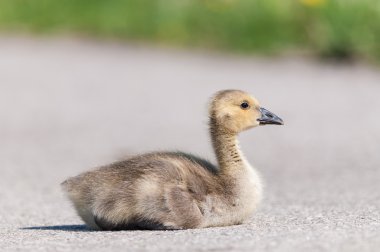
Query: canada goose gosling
x=174, y=190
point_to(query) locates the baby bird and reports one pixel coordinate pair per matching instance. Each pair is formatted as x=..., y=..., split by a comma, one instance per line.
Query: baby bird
x=175, y=190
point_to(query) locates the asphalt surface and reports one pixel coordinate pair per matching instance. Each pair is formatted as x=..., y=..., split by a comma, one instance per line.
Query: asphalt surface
x=68, y=105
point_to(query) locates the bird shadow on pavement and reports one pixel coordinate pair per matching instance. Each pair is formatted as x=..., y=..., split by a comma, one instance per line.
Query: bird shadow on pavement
x=77, y=228
x=69, y=228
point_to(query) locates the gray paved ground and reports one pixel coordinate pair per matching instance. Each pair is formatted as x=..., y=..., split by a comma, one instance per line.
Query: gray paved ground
x=66, y=106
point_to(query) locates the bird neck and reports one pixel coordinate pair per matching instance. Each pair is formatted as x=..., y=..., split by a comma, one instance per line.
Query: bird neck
x=227, y=150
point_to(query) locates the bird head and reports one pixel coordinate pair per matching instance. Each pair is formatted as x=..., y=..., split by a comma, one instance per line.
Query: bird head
x=235, y=111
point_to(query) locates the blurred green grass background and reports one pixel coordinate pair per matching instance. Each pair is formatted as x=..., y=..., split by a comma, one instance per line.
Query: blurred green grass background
x=336, y=28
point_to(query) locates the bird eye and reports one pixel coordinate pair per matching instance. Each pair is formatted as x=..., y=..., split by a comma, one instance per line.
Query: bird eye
x=244, y=105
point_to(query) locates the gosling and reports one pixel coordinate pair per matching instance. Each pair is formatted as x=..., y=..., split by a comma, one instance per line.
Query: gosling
x=175, y=190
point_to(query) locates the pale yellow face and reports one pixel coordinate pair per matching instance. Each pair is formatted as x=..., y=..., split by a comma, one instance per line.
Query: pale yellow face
x=235, y=110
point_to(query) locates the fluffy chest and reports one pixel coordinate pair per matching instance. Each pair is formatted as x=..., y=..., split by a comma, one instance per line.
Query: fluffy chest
x=239, y=206
x=248, y=190
x=248, y=193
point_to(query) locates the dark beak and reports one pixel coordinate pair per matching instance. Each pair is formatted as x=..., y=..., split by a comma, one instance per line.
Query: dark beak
x=268, y=117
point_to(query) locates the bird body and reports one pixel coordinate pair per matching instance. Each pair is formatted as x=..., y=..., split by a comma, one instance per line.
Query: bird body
x=175, y=190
